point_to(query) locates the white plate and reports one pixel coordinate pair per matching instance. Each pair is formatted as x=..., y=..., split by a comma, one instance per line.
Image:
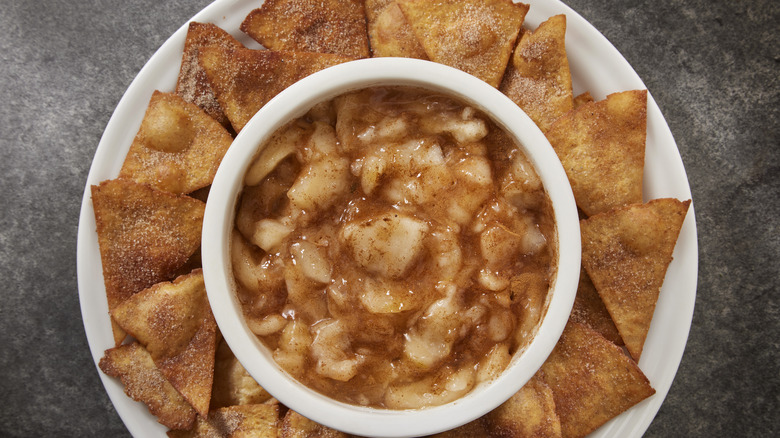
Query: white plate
x=596, y=66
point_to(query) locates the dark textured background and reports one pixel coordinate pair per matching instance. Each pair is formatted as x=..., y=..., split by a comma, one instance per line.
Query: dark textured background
x=712, y=66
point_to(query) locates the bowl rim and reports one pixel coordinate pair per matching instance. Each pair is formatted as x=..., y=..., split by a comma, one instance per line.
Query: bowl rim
x=295, y=101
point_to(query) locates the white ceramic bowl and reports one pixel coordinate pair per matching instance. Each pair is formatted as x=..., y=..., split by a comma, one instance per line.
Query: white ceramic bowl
x=218, y=223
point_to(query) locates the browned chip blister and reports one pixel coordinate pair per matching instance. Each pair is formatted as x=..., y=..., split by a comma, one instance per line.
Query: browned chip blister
x=538, y=78
x=476, y=36
x=626, y=252
x=178, y=147
x=245, y=80
x=145, y=236
x=295, y=425
x=389, y=32
x=173, y=320
x=592, y=380
x=248, y=421
x=589, y=309
x=144, y=382
x=232, y=383
x=602, y=148
x=192, y=84
x=325, y=26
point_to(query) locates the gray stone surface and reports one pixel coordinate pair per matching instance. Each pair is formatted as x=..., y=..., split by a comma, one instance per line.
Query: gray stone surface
x=712, y=66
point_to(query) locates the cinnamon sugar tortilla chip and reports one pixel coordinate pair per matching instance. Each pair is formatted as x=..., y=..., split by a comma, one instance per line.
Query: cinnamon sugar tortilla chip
x=538, y=78
x=247, y=421
x=232, y=383
x=325, y=26
x=476, y=36
x=174, y=322
x=528, y=413
x=178, y=147
x=244, y=80
x=143, y=382
x=589, y=309
x=192, y=84
x=602, y=148
x=295, y=425
x=145, y=236
x=592, y=380
x=626, y=252
x=389, y=33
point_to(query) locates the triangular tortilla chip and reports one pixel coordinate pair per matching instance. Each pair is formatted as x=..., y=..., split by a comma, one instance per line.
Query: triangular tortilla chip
x=143, y=382
x=626, y=252
x=295, y=425
x=528, y=413
x=247, y=421
x=145, y=236
x=476, y=36
x=325, y=26
x=602, y=148
x=592, y=380
x=538, y=78
x=232, y=383
x=174, y=322
x=244, y=80
x=178, y=147
x=192, y=84
x=590, y=310
x=389, y=33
